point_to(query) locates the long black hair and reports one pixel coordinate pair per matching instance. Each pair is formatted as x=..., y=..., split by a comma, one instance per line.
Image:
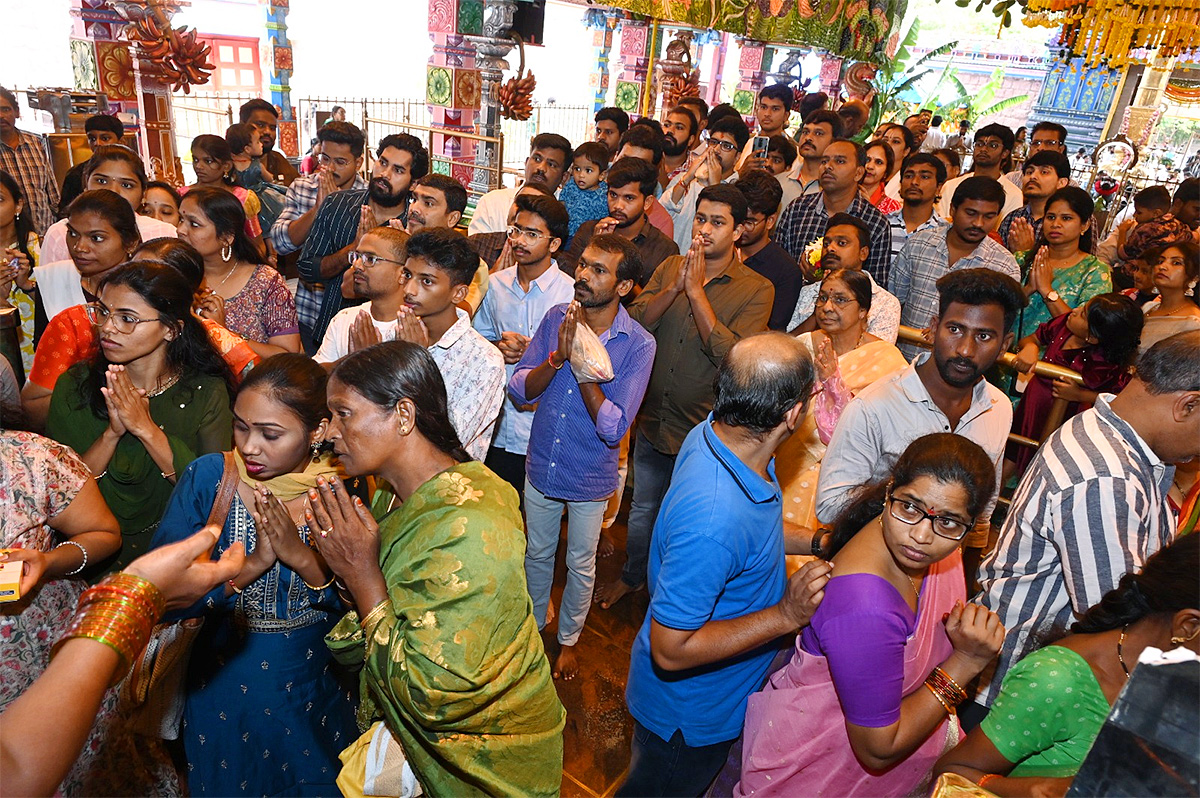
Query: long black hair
x=189, y=353
x=1168, y=582
x=1116, y=323
x=228, y=216
x=388, y=372
x=942, y=456
x=23, y=223
x=176, y=253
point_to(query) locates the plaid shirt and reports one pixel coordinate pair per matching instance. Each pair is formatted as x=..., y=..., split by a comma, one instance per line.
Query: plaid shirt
x=1020, y=213
x=804, y=222
x=30, y=167
x=923, y=260
x=301, y=197
x=900, y=232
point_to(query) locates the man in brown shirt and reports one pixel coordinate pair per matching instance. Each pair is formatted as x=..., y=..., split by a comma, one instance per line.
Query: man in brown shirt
x=631, y=184
x=697, y=306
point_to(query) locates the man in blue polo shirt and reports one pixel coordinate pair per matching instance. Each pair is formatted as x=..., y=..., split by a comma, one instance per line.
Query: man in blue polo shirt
x=719, y=593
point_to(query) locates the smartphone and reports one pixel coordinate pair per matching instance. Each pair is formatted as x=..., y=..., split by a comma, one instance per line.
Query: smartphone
x=759, y=148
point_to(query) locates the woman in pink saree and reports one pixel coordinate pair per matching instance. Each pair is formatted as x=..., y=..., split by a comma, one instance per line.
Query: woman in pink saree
x=866, y=704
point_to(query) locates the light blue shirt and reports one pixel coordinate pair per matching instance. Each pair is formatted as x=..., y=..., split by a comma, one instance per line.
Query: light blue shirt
x=509, y=308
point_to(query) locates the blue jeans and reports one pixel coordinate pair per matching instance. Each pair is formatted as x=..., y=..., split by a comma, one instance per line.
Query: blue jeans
x=651, y=478
x=671, y=767
x=543, y=519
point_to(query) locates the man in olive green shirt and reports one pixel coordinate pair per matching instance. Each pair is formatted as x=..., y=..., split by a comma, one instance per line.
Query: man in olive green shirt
x=697, y=306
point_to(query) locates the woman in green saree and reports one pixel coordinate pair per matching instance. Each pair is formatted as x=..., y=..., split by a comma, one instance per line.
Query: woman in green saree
x=451, y=659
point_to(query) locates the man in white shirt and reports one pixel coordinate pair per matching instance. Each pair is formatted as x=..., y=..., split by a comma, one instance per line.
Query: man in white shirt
x=935, y=139
x=939, y=392
x=518, y=298
x=726, y=138
x=548, y=160
x=772, y=112
x=993, y=144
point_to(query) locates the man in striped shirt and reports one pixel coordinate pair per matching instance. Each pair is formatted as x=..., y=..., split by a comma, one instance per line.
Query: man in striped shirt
x=1093, y=504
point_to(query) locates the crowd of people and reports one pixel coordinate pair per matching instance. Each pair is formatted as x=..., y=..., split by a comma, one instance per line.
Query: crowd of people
x=315, y=444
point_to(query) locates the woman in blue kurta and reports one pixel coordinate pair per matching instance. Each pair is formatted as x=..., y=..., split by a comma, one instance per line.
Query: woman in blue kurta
x=266, y=712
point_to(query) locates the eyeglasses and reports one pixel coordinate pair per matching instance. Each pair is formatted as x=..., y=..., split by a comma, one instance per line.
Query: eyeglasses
x=728, y=146
x=530, y=235
x=836, y=299
x=369, y=259
x=123, y=323
x=943, y=526
x=991, y=145
x=338, y=162
x=1035, y=144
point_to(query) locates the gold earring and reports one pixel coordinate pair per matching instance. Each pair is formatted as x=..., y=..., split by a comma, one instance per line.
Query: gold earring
x=1180, y=639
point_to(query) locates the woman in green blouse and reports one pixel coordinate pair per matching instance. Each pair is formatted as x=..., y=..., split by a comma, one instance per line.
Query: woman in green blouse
x=153, y=399
x=1054, y=701
x=453, y=669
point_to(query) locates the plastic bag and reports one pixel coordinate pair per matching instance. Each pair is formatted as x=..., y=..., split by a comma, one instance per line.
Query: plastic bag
x=589, y=359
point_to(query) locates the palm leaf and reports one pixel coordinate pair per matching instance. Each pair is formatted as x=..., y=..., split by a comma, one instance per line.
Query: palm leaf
x=997, y=107
x=934, y=53
x=904, y=51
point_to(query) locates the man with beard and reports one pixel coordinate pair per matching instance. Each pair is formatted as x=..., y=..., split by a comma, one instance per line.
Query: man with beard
x=847, y=244
x=921, y=179
x=347, y=215
x=993, y=144
x=1045, y=172
x=774, y=107
x=760, y=253
x=611, y=124
x=439, y=201
x=263, y=117
x=630, y=190
x=341, y=145
x=942, y=391
x=930, y=254
x=645, y=143
x=697, y=306
x=518, y=299
x=803, y=222
x=819, y=129
x=726, y=138
x=549, y=159
x=680, y=135
x=577, y=431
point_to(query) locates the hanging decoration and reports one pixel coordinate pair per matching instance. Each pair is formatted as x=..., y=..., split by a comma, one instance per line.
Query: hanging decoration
x=677, y=77
x=1115, y=33
x=516, y=96
x=178, y=57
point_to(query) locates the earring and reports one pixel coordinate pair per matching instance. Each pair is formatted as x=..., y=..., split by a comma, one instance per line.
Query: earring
x=315, y=449
x=226, y=253
x=1191, y=289
x=1180, y=639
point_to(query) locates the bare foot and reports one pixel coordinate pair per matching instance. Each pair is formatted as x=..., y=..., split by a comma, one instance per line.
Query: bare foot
x=610, y=593
x=566, y=666
x=606, y=547
x=550, y=613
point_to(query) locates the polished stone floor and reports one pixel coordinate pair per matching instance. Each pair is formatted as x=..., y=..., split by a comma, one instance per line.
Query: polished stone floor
x=596, y=739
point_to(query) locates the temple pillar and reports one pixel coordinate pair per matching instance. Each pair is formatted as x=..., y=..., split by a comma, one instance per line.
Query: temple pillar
x=635, y=62
x=278, y=52
x=491, y=46
x=453, y=86
x=752, y=62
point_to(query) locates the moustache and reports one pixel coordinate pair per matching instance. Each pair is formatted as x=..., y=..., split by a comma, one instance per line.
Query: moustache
x=580, y=285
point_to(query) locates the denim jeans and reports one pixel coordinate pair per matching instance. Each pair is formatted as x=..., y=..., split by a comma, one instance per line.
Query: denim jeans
x=543, y=519
x=671, y=767
x=651, y=478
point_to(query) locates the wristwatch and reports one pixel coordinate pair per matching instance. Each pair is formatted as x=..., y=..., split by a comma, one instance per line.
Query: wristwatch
x=1052, y=296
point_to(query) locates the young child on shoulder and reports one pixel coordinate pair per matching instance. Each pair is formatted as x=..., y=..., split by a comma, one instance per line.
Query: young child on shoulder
x=586, y=194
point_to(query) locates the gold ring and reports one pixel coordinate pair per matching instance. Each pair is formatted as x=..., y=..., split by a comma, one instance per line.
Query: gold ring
x=324, y=532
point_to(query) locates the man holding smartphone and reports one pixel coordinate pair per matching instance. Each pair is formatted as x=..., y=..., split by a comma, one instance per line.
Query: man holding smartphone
x=774, y=107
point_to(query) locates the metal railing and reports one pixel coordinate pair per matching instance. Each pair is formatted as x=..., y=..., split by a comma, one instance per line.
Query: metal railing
x=1058, y=410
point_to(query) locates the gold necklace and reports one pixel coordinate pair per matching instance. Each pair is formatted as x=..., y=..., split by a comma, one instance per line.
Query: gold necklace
x=914, y=586
x=162, y=387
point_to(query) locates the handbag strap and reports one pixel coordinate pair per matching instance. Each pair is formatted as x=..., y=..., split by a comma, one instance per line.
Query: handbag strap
x=224, y=498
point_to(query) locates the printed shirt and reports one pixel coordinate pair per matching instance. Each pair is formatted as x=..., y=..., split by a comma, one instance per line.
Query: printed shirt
x=571, y=456
x=1020, y=213
x=804, y=222
x=473, y=370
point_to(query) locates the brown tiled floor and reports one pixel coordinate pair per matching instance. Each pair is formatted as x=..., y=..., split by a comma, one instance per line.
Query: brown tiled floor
x=596, y=739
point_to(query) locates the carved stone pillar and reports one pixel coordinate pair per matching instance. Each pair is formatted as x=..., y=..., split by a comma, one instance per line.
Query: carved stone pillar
x=279, y=61
x=490, y=49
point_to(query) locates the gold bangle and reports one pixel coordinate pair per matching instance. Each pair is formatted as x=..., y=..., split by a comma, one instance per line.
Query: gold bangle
x=940, y=700
x=120, y=613
x=985, y=778
x=332, y=579
x=373, y=617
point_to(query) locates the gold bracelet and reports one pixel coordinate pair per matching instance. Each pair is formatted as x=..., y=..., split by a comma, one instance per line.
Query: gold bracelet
x=373, y=617
x=332, y=579
x=940, y=700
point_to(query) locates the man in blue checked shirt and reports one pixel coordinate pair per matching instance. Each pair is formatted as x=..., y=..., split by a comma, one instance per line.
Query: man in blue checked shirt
x=577, y=430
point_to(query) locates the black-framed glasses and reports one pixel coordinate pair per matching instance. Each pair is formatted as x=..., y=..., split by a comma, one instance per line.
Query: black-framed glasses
x=943, y=526
x=728, y=146
x=123, y=323
x=369, y=259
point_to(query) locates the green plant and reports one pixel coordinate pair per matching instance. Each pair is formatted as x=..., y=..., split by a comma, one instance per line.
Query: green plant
x=897, y=75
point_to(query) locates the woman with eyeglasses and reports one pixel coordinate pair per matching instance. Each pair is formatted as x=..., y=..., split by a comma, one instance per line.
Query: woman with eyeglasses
x=848, y=359
x=153, y=398
x=892, y=645
x=241, y=291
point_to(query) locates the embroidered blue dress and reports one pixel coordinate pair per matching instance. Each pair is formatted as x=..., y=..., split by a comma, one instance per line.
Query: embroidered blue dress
x=267, y=712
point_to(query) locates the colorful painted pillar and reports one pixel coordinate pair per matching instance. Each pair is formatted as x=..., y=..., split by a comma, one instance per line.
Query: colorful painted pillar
x=831, y=77
x=491, y=45
x=1079, y=98
x=712, y=92
x=279, y=62
x=453, y=85
x=752, y=62
x=101, y=62
x=603, y=24
x=635, y=62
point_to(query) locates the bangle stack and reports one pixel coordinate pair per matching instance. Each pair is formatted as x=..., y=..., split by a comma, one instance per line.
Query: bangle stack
x=120, y=613
x=373, y=617
x=947, y=691
x=986, y=778
x=79, y=546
